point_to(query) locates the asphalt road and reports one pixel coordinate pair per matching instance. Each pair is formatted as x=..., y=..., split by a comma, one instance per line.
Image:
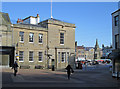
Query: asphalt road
x=90, y=77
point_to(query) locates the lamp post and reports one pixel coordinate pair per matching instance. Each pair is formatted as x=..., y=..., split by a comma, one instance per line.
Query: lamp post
x=12, y=34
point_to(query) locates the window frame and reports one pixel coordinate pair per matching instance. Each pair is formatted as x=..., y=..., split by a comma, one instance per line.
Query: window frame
x=116, y=41
x=22, y=56
x=116, y=20
x=32, y=37
x=63, y=57
x=67, y=57
x=39, y=39
x=21, y=36
x=31, y=56
x=62, y=38
x=59, y=57
x=39, y=56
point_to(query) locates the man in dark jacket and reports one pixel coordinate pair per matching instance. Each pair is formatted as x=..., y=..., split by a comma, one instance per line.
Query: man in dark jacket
x=69, y=70
x=15, y=67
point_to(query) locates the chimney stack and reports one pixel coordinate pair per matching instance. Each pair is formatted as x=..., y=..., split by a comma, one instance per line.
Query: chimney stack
x=37, y=19
x=18, y=20
x=37, y=15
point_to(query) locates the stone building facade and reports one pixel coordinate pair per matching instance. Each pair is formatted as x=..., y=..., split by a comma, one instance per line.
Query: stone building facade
x=31, y=52
x=89, y=53
x=115, y=55
x=6, y=47
x=47, y=43
x=80, y=53
x=84, y=53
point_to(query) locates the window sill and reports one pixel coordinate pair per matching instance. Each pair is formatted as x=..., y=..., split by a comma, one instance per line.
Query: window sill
x=40, y=61
x=21, y=41
x=40, y=43
x=61, y=44
x=31, y=42
x=31, y=61
x=21, y=61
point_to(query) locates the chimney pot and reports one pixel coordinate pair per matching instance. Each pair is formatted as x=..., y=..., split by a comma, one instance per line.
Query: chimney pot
x=37, y=15
x=18, y=20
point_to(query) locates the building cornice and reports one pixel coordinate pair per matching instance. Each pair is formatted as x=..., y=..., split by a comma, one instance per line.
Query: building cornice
x=58, y=22
x=30, y=27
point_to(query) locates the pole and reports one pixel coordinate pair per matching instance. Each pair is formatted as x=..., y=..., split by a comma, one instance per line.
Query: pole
x=51, y=10
x=12, y=34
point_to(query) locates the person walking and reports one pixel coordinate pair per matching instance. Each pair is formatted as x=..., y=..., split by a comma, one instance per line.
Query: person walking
x=69, y=70
x=15, y=67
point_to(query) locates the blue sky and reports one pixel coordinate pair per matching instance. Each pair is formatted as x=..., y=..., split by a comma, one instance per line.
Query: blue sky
x=92, y=19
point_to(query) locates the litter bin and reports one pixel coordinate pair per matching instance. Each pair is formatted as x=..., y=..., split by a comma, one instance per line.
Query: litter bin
x=53, y=67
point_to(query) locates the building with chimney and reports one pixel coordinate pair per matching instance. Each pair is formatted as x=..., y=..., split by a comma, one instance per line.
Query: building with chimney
x=43, y=44
x=29, y=20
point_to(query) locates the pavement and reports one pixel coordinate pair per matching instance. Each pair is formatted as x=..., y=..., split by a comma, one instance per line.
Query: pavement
x=92, y=76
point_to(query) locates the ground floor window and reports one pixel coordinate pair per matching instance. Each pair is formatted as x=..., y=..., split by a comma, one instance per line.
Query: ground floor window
x=63, y=56
x=58, y=57
x=67, y=57
x=31, y=56
x=21, y=56
x=40, y=56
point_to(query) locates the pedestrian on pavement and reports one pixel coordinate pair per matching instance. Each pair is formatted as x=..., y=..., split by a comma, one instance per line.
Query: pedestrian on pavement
x=15, y=67
x=69, y=70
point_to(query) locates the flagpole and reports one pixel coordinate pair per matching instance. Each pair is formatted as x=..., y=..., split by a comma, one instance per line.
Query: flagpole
x=51, y=10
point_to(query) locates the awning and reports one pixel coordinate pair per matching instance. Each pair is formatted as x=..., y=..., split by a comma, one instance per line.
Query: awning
x=114, y=55
x=6, y=49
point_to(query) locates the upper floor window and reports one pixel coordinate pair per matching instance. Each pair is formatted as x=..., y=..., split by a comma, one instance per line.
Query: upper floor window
x=31, y=37
x=40, y=56
x=31, y=56
x=117, y=41
x=40, y=38
x=21, y=55
x=61, y=38
x=21, y=34
x=116, y=18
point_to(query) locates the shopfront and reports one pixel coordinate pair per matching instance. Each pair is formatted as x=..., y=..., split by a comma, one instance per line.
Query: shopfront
x=6, y=56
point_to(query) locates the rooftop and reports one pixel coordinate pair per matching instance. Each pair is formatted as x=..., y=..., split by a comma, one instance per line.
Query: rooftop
x=58, y=22
x=115, y=11
x=80, y=47
x=4, y=17
x=88, y=48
